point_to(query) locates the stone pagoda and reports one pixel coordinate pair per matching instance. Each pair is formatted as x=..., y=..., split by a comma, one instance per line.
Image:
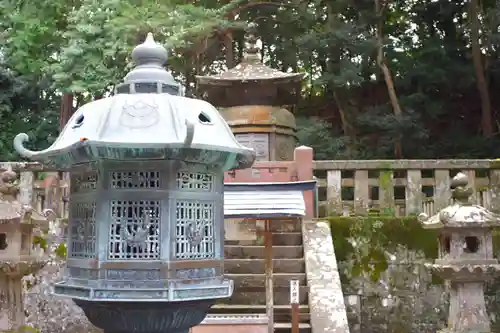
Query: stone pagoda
x=252, y=99
x=18, y=257
x=465, y=256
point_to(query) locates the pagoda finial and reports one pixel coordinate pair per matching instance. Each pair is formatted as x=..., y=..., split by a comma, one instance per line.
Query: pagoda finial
x=252, y=50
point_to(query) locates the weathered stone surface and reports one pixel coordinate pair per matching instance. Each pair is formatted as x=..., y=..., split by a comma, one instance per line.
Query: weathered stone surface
x=401, y=164
x=326, y=301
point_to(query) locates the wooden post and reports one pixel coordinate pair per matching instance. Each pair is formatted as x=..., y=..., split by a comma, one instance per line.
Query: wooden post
x=268, y=254
x=294, y=302
x=303, y=157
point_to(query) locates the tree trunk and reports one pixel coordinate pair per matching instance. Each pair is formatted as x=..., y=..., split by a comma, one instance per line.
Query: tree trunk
x=398, y=149
x=345, y=118
x=228, y=49
x=66, y=110
x=482, y=86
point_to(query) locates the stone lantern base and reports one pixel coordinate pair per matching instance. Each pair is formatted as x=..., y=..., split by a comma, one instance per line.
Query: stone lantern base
x=145, y=317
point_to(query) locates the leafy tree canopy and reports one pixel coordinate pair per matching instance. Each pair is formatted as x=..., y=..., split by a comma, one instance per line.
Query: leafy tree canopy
x=410, y=79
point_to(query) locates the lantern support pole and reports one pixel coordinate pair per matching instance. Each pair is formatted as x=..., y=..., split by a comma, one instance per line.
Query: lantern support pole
x=268, y=254
x=294, y=303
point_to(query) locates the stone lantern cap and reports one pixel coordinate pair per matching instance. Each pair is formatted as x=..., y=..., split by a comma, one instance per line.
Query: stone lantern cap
x=144, y=121
x=251, y=68
x=461, y=213
x=11, y=210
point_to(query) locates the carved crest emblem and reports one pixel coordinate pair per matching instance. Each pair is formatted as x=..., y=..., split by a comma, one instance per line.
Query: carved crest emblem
x=139, y=115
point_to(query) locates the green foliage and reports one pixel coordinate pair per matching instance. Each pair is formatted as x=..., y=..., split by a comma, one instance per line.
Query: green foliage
x=83, y=47
x=317, y=134
x=101, y=35
x=61, y=251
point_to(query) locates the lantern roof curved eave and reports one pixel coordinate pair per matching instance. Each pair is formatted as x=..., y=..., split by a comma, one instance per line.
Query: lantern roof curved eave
x=90, y=151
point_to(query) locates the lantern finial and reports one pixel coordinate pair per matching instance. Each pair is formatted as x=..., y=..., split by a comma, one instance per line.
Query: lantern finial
x=149, y=57
x=460, y=192
x=150, y=52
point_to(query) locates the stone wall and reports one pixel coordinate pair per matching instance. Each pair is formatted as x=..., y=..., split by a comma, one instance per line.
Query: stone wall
x=403, y=296
x=406, y=300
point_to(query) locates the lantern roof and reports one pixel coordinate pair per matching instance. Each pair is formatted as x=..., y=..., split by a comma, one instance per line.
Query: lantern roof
x=145, y=119
x=251, y=69
x=461, y=213
x=11, y=210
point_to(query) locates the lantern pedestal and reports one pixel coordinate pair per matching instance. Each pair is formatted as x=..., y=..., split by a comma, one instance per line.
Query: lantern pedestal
x=145, y=317
x=467, y=303
x=12, y=317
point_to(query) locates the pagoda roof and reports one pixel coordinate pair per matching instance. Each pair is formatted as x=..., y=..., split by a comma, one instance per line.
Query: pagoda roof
x=250, y=72
x=251, y=69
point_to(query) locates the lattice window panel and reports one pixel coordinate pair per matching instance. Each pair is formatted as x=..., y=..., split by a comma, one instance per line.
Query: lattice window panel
x=83, y=230
x=134, y=179
x=134, y=232
x=200, y=216
x=198, y=181
x=84, y=182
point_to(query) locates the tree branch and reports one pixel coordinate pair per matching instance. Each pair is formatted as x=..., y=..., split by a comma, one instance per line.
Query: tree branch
x=387, y=73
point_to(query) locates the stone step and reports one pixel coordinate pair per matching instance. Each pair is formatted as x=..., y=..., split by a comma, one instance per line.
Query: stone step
x=282, y=313
x=279, y=238
x=286, y=317
x=287, y=328
x=256, y=266
x=282, y=225
x=259, y=280
x=243, y=308
x=257, y=251
x=257, y=296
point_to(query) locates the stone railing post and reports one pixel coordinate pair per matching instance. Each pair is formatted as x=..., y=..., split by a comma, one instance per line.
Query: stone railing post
x=303, y=157
x=494, y=188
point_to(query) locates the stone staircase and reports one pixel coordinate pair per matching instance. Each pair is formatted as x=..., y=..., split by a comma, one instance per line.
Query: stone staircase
x=245, y=265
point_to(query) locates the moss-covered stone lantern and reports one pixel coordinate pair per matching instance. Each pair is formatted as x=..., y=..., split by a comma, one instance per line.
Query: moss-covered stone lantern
x=145, y=244
x=252, y=98
x=465, y=256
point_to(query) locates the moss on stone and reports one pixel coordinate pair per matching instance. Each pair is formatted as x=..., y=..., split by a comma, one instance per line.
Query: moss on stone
x=495, y=164
x=385, y=179
x=365, y=241
x=385, y=231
